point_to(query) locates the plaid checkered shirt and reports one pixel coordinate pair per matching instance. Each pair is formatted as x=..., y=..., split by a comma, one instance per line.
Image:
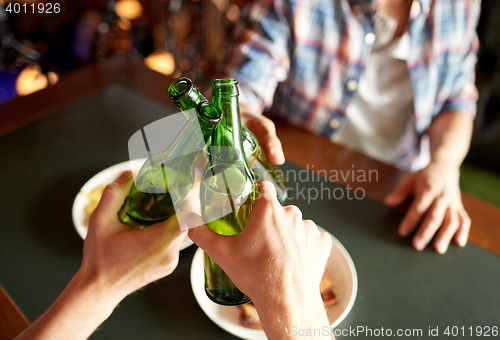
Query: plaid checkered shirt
x=303, y=57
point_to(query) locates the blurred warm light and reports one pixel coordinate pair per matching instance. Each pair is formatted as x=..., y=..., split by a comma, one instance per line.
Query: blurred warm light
x=221, y=4
x=122, y=45
x=191, y=76
x=177, y=74
x=203, y=66
x=162, y=62
x=128, y=9
x=233, y=13
x=19, y=61
x=124, y=24
x=53, y=77
x=185, y=64
x=173, y=21
x=30, y=80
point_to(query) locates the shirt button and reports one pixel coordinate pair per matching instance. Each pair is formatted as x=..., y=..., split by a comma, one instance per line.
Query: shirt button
x=369, y=38
x=334, y=123
x=352, y=85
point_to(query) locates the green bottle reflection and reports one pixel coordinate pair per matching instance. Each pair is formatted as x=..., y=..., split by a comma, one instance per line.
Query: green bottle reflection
x=151, y=199
x=228, y=190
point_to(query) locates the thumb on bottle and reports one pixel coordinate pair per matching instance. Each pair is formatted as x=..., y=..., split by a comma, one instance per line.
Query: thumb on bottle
x=200, y=234
x=112, y=199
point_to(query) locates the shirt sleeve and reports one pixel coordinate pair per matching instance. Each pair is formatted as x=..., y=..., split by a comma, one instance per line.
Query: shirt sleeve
x=259, y=54
x=463, y=95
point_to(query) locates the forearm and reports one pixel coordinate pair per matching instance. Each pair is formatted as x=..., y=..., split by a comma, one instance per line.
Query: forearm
x=78, y=311
x=293, y=315
x=450, y=134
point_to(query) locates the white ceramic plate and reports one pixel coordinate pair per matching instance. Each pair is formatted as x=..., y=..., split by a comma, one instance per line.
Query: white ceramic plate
x=104, y=177
x=340, y=267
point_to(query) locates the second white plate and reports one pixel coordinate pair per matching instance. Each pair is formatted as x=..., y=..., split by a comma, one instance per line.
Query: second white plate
x=340, y=266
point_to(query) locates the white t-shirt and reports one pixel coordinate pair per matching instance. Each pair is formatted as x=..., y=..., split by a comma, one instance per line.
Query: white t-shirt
x=379, y=118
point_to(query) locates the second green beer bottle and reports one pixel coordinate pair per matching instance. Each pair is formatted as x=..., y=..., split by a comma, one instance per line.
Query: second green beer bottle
x=228, y=190
x=166, y=179
x=186, y=96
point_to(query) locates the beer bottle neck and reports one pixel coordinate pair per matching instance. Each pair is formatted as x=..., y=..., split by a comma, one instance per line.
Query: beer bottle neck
x=228, y=132
x=209, y=116
x=185, y=96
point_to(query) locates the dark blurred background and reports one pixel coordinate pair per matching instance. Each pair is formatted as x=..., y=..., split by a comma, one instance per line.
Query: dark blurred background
x=172, y=37
x=189, y=38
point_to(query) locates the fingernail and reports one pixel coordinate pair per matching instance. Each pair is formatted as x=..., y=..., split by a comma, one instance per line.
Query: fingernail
x=462, y=241
x=277, y=154
x=123, y=178
x=441, y=248
x=391, y=200
x=403, y=232
x=419, y=244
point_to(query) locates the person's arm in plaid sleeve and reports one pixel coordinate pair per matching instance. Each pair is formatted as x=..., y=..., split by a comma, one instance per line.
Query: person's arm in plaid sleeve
x=259, y=59
x=437, y=200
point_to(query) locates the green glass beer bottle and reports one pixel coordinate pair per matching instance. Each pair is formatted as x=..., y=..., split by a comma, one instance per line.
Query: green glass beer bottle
x=166, y=179
x=186, y=96
x=255, y=154
x=228, y=190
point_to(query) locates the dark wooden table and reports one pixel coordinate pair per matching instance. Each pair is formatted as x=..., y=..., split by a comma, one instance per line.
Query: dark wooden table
x=301, y=148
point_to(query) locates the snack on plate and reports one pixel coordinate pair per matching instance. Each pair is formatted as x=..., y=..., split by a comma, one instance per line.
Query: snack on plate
x=94, y=196
x=326, y=283
x=249, y=317
x=327, y=295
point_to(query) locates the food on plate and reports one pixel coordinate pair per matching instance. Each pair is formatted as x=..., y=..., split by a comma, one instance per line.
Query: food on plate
x=249, y=317
x=94, y=197
x=325, y=287
x=326, y=282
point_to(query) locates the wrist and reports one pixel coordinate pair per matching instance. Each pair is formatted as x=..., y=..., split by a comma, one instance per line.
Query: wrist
x=446, y=162
x=77, y=312
x=105, y=282
x=291, y=310
x=445, y=165
x=445, y=168
x=100, y=296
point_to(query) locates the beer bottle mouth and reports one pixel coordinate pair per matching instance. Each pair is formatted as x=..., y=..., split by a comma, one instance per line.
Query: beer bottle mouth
x=225, y=87
x=209, y=112
x=179, y=88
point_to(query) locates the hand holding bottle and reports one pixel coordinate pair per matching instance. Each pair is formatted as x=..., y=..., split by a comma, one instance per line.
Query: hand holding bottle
x=117, y=260
x=265, y=131
x=150, y=254
x=278, y=260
